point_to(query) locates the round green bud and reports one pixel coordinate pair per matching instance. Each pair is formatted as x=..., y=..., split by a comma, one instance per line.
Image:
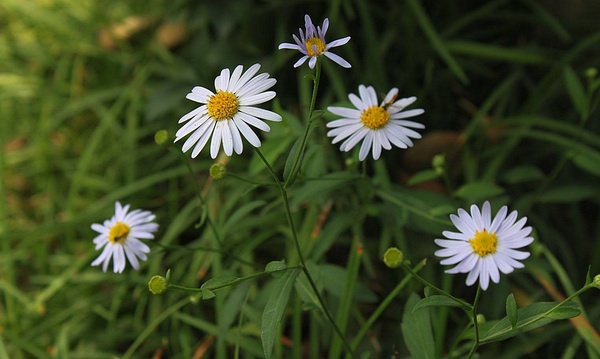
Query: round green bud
x=439, y=163
x=393, y=257
x=596, y=281
x=158, y=284
x=218, y=171
x=591, y=72
x=161, y=137
x=480, y=318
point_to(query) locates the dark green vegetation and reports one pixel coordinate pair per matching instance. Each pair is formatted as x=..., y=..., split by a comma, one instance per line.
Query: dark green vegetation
x=511, y=102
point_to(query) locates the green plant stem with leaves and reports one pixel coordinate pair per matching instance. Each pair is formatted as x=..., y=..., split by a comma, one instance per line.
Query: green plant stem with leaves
x=296, y=243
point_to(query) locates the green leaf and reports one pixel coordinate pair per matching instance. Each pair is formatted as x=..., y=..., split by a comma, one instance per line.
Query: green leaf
x=423, y=176
x=416, y=330
x=564, y=312
x=436, y=301
x=275, y=266
x=522, y=174
x=304, y=289
x=289, y=163
x=587, y=162
x=569, y=193
x=511, y=310
x=273, y=313
x=479, y=191
x=529, y=318
x=207, y=294
x=576, y=90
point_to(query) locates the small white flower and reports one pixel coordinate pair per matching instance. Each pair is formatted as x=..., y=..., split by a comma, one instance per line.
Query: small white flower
x=120, y=236
x=312, y=44
x=484, y=247
x=379, y=125
x=226, y=114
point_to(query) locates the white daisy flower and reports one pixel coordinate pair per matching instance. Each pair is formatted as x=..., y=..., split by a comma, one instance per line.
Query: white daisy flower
x=120, y=236
x=312, y=44
x=227, y=113
x=381, y=126
x=484, y=247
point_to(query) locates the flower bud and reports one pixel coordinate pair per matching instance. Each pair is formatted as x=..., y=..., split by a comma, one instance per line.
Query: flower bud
x=439, y=163
x=158, y=285
x=161, y=137
x=596, y=282
x=393, y=257
x=218, y=171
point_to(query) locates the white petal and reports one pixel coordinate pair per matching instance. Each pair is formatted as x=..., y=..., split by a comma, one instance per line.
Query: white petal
x=338, y=60
x=406, y=114
x=312, y=62
x=227, y=137
x=246, y=131
x=251, y=120
x=344, y=112
x=118, y=259
x=366, y=146
x=301, y=61
x=261, y=113
x=257, y=99
x=391, y=95
x=338, y=42
x=288, y=46
x=252, y=70
x=238, y=146
x=358, y=103
x=215, y=143
x=354, y=139
x=222, y=81
x=202, y=141
x=235, y=77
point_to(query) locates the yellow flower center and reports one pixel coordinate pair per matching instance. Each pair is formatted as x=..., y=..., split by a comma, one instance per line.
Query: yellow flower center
x=484, y=243
x=118, y=233
x=223, y=105
x=375, y=117
x=316, y=43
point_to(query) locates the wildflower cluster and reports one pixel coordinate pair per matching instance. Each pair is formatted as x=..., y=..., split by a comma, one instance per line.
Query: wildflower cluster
x=483, y=247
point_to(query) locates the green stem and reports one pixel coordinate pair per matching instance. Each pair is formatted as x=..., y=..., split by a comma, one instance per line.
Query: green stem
x=475, y=324
x=384, y=304
x=305, y=270
x=541, y=316
x=249, y=180
x=466, y=306
x=313, y=100
x=229, y=283
x=203, y=205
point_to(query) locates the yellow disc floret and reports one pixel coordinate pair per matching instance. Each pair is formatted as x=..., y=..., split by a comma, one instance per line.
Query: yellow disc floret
x=484, y=243
x=314, y=46
x=118, y=233
x=223, y=105
x=375, y=117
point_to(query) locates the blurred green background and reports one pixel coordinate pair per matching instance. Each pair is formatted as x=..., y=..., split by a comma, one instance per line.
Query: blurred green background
x=510, y=96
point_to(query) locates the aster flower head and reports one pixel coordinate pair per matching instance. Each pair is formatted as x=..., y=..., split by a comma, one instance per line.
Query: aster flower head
x=228, y=113
x=484, y=247
x=120, y=236
x=378, y=126
x=312, y=44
